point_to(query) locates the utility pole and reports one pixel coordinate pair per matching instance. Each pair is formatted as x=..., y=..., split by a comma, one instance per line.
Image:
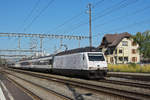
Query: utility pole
x=90, y=31
x=60, y=43
x=79, y=43
x=19, y=42
x=41, y=44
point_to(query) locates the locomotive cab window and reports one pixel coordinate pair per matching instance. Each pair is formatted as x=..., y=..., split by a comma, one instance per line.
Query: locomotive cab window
x=96, y=57
x=50, y=62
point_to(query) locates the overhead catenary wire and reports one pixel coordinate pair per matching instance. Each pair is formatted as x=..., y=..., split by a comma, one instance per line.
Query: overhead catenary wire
x=67, y=21
x=30, y=14
x=74, y=17
x=38, y=15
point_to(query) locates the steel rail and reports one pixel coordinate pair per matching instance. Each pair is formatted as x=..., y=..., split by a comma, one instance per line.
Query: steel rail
x=93, y=87
x=29, y=93
x=46, y=89
x=140, y=85
x=145, y=77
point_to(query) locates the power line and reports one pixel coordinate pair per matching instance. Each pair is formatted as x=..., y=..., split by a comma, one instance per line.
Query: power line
x=118, y=4
x=93, y=6
x=37, y=16
x=127, y=26
x=98, y=2
x=75, y=17
x=126, y=15
x=133, y=24
x=29, y=15
x=116, y=7
x=67, y=21
x=16, y=50
x=86, y=22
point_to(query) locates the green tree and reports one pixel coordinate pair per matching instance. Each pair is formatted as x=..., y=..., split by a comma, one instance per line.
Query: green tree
x=143, y=39
x=0, y=61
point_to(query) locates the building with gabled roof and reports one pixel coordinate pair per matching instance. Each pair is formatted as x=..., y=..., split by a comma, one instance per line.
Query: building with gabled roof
x=120, y=48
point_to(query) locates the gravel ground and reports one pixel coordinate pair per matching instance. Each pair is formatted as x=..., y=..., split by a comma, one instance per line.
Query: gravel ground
x=74, y=92
x=129, y=80
x=36, y=90
x=127, y=73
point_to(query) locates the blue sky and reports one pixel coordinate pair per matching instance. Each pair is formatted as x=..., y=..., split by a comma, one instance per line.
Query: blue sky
x=109, y=16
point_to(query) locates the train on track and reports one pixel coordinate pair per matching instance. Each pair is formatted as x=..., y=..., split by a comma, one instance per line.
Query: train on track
x=85, y=62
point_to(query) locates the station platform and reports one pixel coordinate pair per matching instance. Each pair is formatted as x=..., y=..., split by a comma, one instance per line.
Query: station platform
x=9, y=91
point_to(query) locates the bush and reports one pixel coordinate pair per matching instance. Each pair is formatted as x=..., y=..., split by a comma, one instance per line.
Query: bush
x=132, y=65
x=129, y=68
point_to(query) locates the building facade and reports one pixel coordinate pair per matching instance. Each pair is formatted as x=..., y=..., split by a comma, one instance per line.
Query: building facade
x=120, y=49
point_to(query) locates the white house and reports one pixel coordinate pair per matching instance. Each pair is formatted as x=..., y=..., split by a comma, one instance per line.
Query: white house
x=120, y=48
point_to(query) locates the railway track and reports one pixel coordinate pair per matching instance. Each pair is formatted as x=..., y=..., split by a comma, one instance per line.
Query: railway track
x=133, y=76
x=127, y=83
x=106, y=86
x=28, y=92
x=46, y=94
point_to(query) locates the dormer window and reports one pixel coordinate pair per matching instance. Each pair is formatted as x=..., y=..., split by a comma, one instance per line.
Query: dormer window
x=124, y=43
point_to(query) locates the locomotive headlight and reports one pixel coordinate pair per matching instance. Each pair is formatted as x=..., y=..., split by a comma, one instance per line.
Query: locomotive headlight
x=105, y=68
x=90, y=67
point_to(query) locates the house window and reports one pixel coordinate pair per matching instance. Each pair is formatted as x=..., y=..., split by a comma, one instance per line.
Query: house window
x=115, y=51
x=120, y=58
x=111, y=60
x=125, y=58
x=133, y=51
x=134, y=59
x=124, y=43
x=134, y=44
x=120, y=51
